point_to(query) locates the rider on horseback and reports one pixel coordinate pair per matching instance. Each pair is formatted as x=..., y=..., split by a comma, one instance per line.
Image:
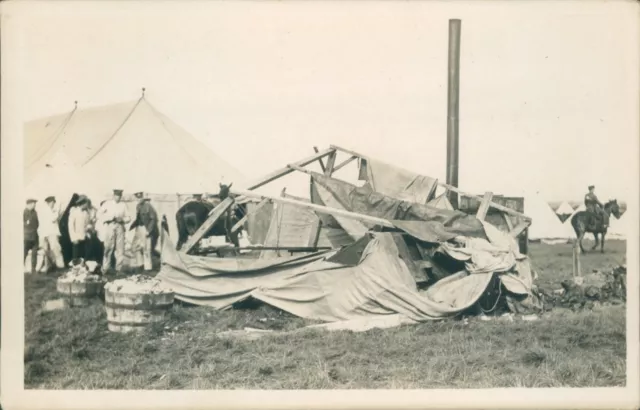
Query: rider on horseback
x=593, y=205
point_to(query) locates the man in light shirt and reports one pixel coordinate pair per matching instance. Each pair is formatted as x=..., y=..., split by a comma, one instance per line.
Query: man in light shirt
x=79, y=227
x=50, y=232
x=146, y=225
x=114, y=215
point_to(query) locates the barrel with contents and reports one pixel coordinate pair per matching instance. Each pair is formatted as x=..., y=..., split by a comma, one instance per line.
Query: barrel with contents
x=136, y=302
x=79, y=287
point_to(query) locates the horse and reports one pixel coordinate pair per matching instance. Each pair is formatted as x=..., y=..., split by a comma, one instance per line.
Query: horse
x=584, y=222
x=193, y=214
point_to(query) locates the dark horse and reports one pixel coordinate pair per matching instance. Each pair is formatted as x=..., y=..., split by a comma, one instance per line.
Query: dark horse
x=584, y=222
x=194, y=213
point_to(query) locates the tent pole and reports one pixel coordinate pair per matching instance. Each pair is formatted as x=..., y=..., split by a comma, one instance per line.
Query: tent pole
x=453, y=103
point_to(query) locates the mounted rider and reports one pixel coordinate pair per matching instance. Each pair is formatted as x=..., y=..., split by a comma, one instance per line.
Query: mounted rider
x=595, y=208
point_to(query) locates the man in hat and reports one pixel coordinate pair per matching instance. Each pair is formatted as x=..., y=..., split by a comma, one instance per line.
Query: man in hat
x=31, y=239
x=593, y=205
x=114, y=215
x=79, y=227
x=146, y=223
x=50, y=230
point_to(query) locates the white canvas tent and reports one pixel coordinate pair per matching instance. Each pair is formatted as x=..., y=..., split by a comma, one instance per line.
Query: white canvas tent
x=130, y=146
x=618, y=228
x=564, y=209
x=545, y=224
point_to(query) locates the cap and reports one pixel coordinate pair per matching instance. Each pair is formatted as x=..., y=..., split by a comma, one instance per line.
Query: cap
x=50, y=199
x=31, y=201
x=139, y=194
x=197, y=196
x=117, y=191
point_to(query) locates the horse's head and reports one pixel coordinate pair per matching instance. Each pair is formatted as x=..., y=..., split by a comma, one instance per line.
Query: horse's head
x=613, y=207
x=224, y=191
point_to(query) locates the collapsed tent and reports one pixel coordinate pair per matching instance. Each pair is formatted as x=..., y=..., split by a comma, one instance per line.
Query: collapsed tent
x=371, y=278
x=346, y=284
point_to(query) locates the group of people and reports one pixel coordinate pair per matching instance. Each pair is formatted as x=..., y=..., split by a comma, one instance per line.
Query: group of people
x=87, y=226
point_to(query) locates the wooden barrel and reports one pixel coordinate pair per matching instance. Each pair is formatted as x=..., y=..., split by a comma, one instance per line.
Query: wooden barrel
x=77, y=291
x=134, y=306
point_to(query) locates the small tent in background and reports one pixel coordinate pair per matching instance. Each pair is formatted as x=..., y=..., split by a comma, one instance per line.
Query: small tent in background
x=618, y=228
x=564, y=211
x=545, y=224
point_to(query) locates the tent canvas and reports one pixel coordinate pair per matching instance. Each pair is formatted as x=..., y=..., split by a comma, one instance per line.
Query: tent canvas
x=564, y=209
x=618, y=228
x=131, y=146
x=545, y=224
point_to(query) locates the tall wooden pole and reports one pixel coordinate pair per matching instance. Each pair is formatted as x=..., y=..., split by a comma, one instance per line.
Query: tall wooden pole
x=453, y=99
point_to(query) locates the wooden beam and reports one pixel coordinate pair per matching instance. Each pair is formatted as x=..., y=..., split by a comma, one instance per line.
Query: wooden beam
x=318, y=208
x=484, y=206
x=519, y=229
x=347, y=151
x=215, y=214
x=286, y=170
x=345, y=162
x=331, y=161
x=492, y=204
x=320, y=160
x=244, y=218
x=314, y=235
x=507, y=220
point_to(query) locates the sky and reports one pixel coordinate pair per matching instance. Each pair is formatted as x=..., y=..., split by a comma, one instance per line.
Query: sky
x=549, y=90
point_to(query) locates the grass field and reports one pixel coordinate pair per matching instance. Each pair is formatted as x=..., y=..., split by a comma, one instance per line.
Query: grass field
x=74, y=350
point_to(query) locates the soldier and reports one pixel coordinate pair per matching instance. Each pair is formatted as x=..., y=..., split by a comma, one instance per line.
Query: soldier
x=50, y=231
x=146, y=223
x=31, y=240
x=591, y=202
x=114, y=215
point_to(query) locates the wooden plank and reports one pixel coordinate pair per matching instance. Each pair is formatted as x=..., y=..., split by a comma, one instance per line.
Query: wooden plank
x=246, y=217
x=316, y=150
x=314, y=235
x=508, y=221
x=344, y=163
x=519, y=229
x=347, y=151
x=492, y=204
x=484, y=206
x=318, y=208
x=331, y=161
x=286, y=170
x=215, y=214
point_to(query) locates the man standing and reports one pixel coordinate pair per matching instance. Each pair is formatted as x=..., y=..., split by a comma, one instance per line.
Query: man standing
x=591, y=202
x=114, y=215
x=79, y=226
x=50, y=231
x=147, y=225
x=31, y=223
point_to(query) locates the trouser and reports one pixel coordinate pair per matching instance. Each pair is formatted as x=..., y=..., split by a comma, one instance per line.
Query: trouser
x=113, y=242
x=31, y=245
x=144, y=247
x=80, y=249
x=53, y=252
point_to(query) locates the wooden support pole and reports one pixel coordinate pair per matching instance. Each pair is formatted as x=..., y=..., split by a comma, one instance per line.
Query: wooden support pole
x=318, y=208
x=320, y=160
x=314, y=235
x=246, y=217
x=577, y=270
x=484, y=206
x=331, y=161
x=519, y=229
x=345, y=162
x=286, y=170
x=215, y=214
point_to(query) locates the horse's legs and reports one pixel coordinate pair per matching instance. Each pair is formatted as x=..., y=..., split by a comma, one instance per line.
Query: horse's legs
x=580, y=241
x=602, y=243
x=595, y=236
